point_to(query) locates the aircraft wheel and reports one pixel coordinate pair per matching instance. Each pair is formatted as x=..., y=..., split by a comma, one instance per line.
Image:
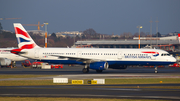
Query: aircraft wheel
x=85, y=70
x=155, y=69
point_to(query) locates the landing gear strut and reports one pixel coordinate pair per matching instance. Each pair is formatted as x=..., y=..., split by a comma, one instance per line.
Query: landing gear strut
x=155, y=69
x=13, y=64
x=85, y=69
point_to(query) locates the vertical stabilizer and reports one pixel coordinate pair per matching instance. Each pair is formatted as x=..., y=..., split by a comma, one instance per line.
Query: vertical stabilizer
x=179, y=37
x=24, y=39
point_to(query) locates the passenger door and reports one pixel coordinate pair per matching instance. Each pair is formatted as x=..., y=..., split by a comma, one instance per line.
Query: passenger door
x=79, y=54
x=119, y=55
x=153, y=56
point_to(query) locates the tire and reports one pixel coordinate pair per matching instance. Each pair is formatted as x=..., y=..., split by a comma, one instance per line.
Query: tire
x=85, y=70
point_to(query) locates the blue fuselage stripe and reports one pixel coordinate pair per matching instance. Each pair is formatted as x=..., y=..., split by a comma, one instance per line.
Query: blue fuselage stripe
x=111, y=62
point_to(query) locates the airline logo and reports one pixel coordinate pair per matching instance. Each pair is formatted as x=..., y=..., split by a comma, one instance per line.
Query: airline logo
x=21, y=32
x=4, y=51
x=155, y=54
x=141, y=56
x=138, y=56
x=24, y=40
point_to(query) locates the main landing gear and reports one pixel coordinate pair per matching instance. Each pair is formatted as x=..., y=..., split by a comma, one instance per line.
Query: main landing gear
x=13, y=64
x=85, y=69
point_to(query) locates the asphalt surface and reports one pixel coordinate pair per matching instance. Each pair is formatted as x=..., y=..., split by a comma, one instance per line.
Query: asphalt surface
x=93, y=91
x=77, y=69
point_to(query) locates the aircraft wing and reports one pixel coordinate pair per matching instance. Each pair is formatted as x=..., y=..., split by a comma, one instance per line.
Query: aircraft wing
x=84, y=60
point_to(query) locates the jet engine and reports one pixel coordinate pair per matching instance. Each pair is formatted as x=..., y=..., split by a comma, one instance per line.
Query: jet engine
x=99, y=65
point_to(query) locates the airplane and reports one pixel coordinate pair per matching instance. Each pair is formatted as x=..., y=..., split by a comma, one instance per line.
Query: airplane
x=98, y=59
x=7, y=58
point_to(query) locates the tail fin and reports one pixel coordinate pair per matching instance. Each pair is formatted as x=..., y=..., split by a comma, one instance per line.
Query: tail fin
x=179, y=37
x=24, y=39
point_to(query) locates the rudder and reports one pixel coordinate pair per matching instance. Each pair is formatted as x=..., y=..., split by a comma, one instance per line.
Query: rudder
x=24, y=39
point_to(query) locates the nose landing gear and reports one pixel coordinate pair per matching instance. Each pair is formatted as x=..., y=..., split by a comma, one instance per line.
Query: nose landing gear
x=155, y=69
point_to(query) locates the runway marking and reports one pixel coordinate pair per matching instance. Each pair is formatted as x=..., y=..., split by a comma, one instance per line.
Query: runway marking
x=90, y=76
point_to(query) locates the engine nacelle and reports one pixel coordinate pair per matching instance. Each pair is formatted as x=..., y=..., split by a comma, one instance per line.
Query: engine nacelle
x=99, y=65
x=115, y=66
x=5, y=62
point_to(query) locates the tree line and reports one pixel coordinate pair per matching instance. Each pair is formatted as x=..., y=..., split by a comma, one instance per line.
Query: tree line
x=8, y=39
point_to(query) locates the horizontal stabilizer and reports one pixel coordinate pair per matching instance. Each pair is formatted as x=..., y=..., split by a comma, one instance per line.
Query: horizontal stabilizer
x=17, y=51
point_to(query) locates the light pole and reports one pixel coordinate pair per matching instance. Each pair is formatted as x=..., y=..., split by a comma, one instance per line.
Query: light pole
x=139, y=35
x=46, y=34
x=151, y=30
x=157, y=30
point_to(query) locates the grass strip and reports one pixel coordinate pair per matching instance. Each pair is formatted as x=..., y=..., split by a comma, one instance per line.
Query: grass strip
x=2, y=76
x=108, y=81
x=142, y=80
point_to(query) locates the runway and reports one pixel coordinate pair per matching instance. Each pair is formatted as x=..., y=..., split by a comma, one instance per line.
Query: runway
x=75, y=72
x=93, y=91
x=78, y=70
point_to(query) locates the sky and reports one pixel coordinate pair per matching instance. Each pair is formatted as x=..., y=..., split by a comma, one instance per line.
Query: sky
x=104, y=16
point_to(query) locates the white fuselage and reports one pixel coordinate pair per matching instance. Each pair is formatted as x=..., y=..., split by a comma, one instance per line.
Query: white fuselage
x=118, y=56
x=5, y=53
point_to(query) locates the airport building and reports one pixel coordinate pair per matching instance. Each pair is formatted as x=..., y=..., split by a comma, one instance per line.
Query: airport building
x=37, y=32
x=72, y=33
x=170, y=44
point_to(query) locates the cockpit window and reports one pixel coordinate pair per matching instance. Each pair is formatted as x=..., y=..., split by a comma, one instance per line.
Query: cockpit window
x=165, y=54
